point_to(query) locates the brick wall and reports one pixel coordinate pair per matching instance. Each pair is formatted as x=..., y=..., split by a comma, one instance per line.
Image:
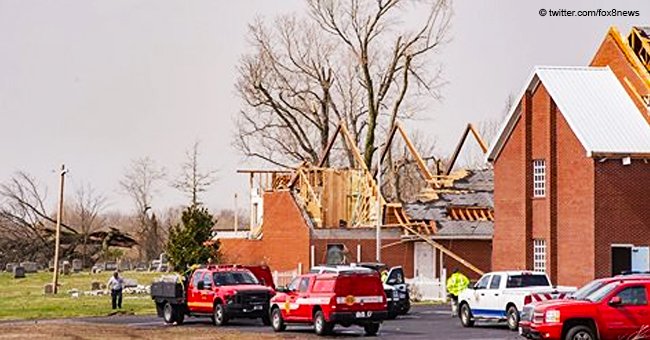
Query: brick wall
x=564, y=217
x=575, y=208
x=622, y=208
x=540, y=149
x=285, y=242
x=509, y=242
x=476, y=252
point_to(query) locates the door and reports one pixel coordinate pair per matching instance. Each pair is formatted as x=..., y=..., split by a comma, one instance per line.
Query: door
x=492, y=301
x=396, y=279
x=207, y=293
x=304, y=300
x=290, y=308
x=423, y=260
x=194, y=300
x=640, y=259
x=621, y=259
x=629, y=314
x=478, y=301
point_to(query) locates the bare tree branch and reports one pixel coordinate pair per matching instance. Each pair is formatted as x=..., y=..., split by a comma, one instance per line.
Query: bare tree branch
x=140, y=182
x=193, y=181
x=350, y=62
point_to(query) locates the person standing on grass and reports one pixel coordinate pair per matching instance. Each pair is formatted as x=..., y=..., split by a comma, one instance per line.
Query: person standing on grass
x=115, y=284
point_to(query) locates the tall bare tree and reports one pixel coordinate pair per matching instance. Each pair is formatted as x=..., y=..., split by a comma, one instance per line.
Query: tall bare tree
x=86, y=215
x=140, y=182
x=347, y=61
x=24, y=219
x=193, y=180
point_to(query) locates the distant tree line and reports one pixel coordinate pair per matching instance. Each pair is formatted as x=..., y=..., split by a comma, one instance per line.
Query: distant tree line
x=89, y=231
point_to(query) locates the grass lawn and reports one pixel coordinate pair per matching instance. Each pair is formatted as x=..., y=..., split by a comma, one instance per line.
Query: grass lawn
x=24, y=298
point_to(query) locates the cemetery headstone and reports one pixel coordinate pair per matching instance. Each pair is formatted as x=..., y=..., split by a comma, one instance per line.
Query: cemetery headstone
x=19, y=272
x=77, y=265
x=124, y=266
x=110, y=266
x=10, y=267
x=48, y=288
x=30, y=267
x=66, y=267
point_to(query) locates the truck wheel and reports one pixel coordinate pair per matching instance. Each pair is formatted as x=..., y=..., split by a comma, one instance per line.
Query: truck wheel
x=407, y=307
x=321, y=326
x=220, y=316
x=276, y=320
x=466, y=316
x=266, y=319
x=160, y=307
x=371, y=329
x=580, y=333
x=169, y=314
x=180, y=315
x=513, y=318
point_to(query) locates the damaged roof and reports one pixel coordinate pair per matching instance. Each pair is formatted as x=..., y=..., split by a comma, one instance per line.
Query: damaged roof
x=465, y=228
x=476, y=190
x=467, y=199
x=644, y=30
x=477, y=180
x=426, y=211
x=437, y=210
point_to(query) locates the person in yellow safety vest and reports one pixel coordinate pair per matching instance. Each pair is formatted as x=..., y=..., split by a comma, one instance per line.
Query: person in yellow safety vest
x=456, y=283
x=384, y=275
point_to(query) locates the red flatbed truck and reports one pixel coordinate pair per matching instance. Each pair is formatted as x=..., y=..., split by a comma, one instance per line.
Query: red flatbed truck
x=221, y=292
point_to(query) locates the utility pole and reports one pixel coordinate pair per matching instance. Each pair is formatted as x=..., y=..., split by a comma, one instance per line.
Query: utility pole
x=379, y=212
x=236, y=214
x=59, y=217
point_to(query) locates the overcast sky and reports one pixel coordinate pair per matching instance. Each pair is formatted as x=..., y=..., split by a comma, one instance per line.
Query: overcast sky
x=94, y=84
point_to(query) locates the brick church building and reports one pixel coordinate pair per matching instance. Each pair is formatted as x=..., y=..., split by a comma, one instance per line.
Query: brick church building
x=572, y=168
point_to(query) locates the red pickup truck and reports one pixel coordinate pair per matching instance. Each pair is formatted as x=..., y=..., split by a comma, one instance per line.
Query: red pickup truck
x=220, y=292
x=617, y=310
x=324, y=300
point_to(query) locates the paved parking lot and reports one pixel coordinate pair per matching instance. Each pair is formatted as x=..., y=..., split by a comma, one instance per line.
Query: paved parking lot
x=424, y=322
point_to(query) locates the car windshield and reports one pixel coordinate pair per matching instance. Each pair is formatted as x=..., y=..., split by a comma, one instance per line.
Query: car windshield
x=527, y=280
x=602, y=292
x=586, y=290
x=235, y=278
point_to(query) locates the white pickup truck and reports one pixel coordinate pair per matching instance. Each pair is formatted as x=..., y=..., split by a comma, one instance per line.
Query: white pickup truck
x=500, y=296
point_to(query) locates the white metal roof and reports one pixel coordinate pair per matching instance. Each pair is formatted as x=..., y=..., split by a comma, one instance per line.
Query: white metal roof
x=595, y=105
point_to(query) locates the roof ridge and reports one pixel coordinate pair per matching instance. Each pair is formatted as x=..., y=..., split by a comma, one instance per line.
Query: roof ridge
x=560, y=67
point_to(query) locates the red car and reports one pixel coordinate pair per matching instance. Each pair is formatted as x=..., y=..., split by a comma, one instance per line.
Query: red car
x=617, y=310
x=580, y=294
x=220, y=292
x=324, y=300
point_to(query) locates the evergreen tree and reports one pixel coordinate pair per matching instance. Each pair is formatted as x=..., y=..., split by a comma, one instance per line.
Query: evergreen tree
x=185, y=245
